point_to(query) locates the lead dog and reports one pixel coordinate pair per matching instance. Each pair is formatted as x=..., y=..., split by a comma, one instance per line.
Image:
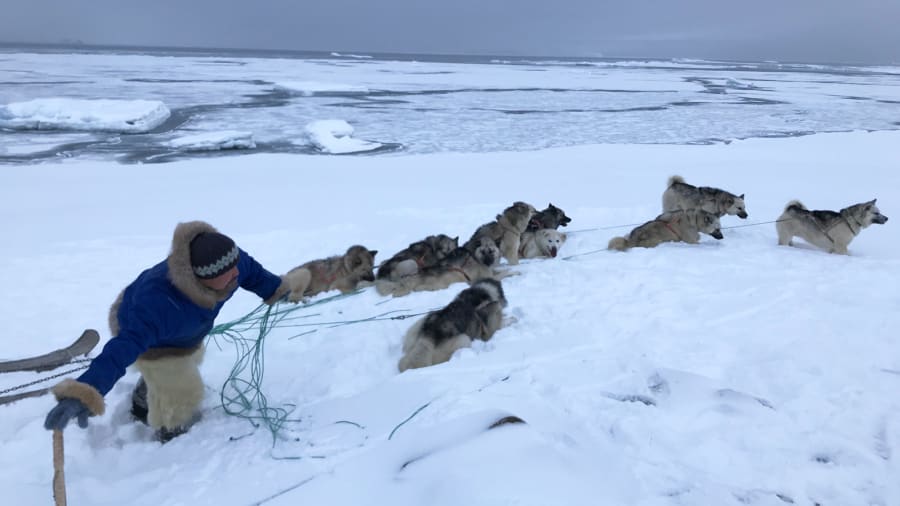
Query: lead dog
x=829, y=230
x=475, y=313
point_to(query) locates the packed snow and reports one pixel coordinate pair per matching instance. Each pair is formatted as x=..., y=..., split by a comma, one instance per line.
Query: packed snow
x=727, y=372
x=107, y=115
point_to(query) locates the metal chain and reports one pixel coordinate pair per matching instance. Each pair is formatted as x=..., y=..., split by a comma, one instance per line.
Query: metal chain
x=48, y=378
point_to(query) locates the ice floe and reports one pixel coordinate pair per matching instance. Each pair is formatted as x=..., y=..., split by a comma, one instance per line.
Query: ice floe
x=335, y=136
x=105, y=115
x=310, y=88
x=214, y=141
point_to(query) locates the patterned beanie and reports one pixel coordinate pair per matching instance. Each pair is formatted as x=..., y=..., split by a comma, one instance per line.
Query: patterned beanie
x=212, y=254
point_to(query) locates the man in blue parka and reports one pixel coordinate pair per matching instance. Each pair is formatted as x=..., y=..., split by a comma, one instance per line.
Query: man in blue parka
x=159, y=323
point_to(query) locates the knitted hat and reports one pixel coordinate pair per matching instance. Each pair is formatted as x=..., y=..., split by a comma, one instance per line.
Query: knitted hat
x=212, y=254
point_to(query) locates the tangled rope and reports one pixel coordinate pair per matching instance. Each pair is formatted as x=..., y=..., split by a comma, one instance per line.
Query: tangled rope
x=242, y=393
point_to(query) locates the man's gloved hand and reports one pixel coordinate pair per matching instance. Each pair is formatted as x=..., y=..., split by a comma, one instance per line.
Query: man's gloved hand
x=67, y=409
x=281, y=293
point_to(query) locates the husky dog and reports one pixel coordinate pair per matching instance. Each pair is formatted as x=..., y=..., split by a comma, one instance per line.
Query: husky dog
x=680, y=196
x=505, y=231
x=475, y=313
x=684, y=226
x=462, y=265
x=424, y=253
x=829, y=230
x=342, y=272
x=552, y=217
x=541, y=243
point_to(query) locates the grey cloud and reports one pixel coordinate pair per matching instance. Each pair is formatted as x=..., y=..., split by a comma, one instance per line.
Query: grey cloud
x=804, y=30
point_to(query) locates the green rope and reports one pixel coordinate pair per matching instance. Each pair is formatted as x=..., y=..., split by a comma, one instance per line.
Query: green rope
x=242, y=393
x=410, y=417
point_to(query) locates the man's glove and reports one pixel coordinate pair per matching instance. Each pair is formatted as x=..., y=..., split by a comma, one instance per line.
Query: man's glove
x=280, y=294
x=67, y=409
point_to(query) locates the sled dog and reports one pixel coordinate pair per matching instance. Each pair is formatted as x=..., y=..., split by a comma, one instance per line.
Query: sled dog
x=684, y=226
x=680, y=196
x=505, y=231
x=462, y=265
x=552, y=217
x=831, y=231
x=475, y=313
x=541, y=243
x=342, y=272
x=417, y=255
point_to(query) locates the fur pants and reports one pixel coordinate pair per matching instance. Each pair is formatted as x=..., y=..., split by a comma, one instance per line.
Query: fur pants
x=174, y=389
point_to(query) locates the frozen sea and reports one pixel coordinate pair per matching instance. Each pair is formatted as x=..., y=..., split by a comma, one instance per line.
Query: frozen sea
x=266, y=102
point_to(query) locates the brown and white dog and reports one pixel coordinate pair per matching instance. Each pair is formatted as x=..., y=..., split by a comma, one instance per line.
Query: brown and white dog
x=505, y=231
x=342, y=272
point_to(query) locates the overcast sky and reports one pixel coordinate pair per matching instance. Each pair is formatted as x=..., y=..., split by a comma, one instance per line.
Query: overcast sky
x=787, y=30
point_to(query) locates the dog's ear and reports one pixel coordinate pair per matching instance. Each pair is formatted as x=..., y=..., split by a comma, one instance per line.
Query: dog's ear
x=741, y=196
x=456, y=240
x=563, y=237
x=373, y=252
x=873, y=201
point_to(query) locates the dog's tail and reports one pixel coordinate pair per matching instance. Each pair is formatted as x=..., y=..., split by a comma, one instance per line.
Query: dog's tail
x=673, y=180
x=397, y=288
x=419, y=355
x=384, y=286
x=618, y=244
x=796, y=204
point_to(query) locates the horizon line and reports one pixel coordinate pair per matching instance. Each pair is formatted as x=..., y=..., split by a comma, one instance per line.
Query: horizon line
x=78, y=44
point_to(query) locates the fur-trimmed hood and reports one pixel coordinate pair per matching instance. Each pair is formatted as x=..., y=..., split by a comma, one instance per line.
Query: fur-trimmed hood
x=180, y=272
x=179, y=262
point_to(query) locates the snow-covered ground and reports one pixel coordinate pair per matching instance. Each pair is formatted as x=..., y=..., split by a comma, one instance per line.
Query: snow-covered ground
x=728, y=372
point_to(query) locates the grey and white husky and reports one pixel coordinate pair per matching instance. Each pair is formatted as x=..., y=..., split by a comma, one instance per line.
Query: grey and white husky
x=552, y=217
x=828, y=230
x=475, y=313
x=505, y=231
x=680, y=196
x=462, y=265
x=424, y=253
x=675, y=226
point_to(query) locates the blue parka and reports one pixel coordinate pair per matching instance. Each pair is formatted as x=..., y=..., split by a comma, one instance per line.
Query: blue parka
x=167, y=307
